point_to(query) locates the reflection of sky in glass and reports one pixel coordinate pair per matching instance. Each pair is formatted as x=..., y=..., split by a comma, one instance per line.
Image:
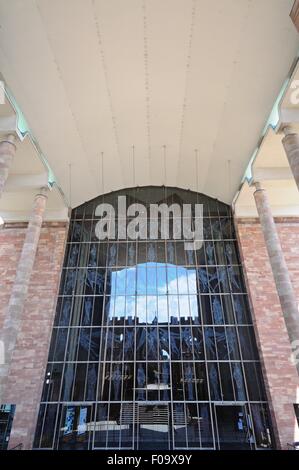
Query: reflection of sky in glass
x=151, y=290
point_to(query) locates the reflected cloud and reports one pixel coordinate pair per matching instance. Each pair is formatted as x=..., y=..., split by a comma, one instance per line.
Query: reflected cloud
x=154, y=293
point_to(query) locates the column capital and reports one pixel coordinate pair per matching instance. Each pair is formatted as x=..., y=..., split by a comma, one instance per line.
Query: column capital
x=7, y=153
x=9, y=139
x=288, y=129
x=258, y=186
x=43, y=192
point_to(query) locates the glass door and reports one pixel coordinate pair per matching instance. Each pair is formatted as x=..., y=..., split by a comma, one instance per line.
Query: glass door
x=233, y=429
x=153, y=427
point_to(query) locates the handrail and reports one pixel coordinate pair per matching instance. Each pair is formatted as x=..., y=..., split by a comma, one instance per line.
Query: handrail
x=17, y=447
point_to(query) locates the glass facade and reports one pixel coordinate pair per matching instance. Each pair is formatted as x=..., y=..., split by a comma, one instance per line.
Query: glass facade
x=153, y=345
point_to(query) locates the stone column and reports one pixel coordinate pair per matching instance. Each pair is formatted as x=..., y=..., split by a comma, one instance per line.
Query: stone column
x=7, y=153
x=290, y=143
x=13, y=317
x=279, y=267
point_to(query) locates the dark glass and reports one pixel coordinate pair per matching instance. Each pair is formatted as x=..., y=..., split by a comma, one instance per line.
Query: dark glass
x=68, y=378
x=7, y=412
x=242, y=311
x=52, y=383
x=58, y=342
x=232, y=343
x=63, y=311
x=114, y=431
x=80, y=381
x=206, y=309
x=150, y=338
x=47, y=435
x=203, y=280
x=226, y=381
x=262, y=426
x=255, y=386
x=236, y=279
x=179, y=421
x=91, y=382
x=201, y=382
x=175, y=343
x=248, y=344
x=102, y=418
x=75, y=427
x=210, y=343
x=218, y=315
x=177, y=381
x=238, y=381
x=214, y=381
x=228, y=309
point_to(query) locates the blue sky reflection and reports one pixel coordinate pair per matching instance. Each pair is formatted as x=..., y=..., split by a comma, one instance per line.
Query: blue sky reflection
x=154, y=293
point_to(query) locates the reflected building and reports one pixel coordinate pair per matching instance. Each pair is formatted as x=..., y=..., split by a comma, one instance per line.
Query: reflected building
x=153, y=345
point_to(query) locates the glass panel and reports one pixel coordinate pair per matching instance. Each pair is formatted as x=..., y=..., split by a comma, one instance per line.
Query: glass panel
x=261, y=423
x=214, y=381
x=226, y=381
x=255, y=387
x=58, y=342
x=101, y=426
x=247, y=340
x=75, y=428
x=241, y=309
x=238, y=382
x=179, y=425
x=80, y=381
x=52, y=383
x=206, y=433
x=91, y=382
x=210, y=343
x=47, y=435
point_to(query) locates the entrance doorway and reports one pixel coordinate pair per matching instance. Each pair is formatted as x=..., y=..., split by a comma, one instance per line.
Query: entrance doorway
x=233, y=427
x=6, y=418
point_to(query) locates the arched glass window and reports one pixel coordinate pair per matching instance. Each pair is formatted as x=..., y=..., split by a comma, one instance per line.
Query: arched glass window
x=153, y=344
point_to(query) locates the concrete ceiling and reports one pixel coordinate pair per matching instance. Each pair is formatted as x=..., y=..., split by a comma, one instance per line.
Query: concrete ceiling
x=146, y=82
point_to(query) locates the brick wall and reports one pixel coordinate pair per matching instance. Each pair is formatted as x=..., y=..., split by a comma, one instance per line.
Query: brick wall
x=30, y=355
x=282, y=381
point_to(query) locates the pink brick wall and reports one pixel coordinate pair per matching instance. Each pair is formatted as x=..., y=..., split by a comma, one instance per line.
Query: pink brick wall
x=30, y=355
x=282, y=381
x=31, y=352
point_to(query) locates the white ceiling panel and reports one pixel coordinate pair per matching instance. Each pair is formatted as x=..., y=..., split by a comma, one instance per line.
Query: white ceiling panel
x=141, y=84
